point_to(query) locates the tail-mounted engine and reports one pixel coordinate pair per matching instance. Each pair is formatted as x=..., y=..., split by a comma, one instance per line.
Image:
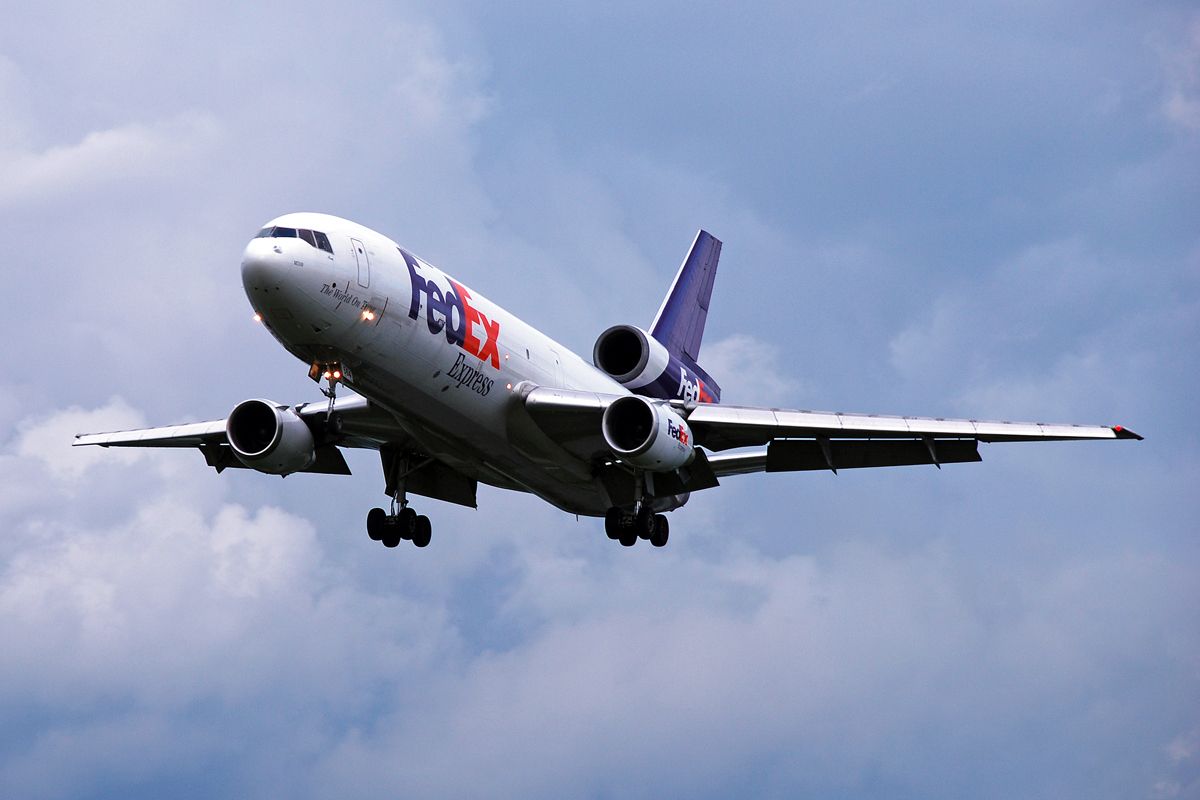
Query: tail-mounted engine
x=647, y=435
x=270, y=438
x=640, y=363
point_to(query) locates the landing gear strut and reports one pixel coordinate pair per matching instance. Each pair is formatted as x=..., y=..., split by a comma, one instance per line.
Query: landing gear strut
x=627, y=528
x=402, y=522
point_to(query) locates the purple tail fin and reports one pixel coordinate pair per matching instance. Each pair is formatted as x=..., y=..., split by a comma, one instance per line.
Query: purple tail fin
x=679, y=324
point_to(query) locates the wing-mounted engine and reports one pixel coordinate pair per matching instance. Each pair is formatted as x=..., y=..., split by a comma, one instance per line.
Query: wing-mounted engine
x=640, y=363
x=647, y=435
x=270, y=438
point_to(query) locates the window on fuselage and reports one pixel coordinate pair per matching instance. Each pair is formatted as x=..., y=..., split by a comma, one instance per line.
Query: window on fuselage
x=307, y=236
x=323, y=242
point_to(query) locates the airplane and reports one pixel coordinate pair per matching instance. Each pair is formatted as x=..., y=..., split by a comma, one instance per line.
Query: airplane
x=454, y=391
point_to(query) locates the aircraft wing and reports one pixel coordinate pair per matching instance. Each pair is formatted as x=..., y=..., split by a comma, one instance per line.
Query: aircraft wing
x=362, y=425
x=724, y=427
x=807, y=440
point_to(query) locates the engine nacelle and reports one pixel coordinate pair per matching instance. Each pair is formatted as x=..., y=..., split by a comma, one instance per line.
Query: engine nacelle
x=630, y=356
x=269, y=438
x=640, y=363
x=647, y=435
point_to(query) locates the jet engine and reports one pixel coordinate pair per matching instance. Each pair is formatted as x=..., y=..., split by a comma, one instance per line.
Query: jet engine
x=629, y=355
x=270, y=438
x=643, y=365
x=647, y=435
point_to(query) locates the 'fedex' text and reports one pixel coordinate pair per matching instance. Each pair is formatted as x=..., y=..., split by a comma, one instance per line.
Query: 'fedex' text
x=692, y=391
x=450, y=310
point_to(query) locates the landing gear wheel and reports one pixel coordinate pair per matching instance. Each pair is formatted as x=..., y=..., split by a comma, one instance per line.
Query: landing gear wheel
x=391, y=533
x=377, y=521
x=662, y=530
x=612, y=523
x=422, y=531
x=643, y=523
x=406, y=519
x=628, y=537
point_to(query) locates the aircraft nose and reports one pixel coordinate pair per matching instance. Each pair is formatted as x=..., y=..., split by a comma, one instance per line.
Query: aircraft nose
x=264, y=267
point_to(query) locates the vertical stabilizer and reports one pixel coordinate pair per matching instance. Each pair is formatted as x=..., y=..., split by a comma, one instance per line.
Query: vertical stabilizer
x=679, y=324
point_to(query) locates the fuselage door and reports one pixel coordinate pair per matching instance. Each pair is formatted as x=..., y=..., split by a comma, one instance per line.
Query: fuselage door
x=364, y=263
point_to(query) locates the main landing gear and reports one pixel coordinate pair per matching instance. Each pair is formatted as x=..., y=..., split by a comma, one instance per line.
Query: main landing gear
x=627, y=528
x=405, y=524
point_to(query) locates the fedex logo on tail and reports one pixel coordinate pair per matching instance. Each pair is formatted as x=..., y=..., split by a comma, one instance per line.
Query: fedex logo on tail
x=450, y=311
x=690, y=390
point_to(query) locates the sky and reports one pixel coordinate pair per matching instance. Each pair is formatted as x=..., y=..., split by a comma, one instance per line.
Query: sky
x=984, y=210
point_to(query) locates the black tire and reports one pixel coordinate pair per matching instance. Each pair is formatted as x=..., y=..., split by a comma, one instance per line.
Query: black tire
x=612, y=523
x=422, y=531
x=376, y=523
x=391, y=533
x=407, y=522
x=662, y=531
x=628, y=537
x=643, y=523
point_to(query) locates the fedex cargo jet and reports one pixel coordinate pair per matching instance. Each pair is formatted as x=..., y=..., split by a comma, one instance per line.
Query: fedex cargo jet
x=454, y=391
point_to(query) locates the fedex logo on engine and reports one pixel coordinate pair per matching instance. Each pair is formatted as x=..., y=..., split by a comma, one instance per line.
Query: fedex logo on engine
x=450, y=311
x=690, y=390
x=677, y=432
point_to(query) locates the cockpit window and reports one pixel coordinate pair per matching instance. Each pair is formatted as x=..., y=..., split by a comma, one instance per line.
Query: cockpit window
x=314, y=238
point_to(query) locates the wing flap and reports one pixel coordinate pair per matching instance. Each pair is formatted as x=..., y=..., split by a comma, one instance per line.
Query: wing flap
x=330, y=460
x=795, y=455
x=800, y=455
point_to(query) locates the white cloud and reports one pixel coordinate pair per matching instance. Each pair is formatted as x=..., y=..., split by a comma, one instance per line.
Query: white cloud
x=126, y=154
x=49, y=441
x=750, y=371
x=634, y=670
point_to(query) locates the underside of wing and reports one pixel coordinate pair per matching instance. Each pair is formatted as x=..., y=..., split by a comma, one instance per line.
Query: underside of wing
x=726, y=427
x=358, y=424
x=786, y=440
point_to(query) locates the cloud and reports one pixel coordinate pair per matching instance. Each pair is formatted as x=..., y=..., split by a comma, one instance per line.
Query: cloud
x=750, y=371
x=47, y=441
x=1182, y=103
x=183, y=623
x=127, y=154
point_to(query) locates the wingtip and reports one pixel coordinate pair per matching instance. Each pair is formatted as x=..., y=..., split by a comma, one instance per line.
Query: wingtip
x=1124, y=433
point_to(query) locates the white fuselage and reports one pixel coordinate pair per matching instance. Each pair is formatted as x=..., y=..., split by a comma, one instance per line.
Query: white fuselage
x=440, y=357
